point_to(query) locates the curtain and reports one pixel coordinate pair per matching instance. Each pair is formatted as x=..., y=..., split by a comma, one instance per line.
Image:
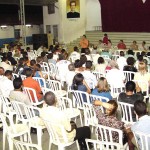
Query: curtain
x=125, y=15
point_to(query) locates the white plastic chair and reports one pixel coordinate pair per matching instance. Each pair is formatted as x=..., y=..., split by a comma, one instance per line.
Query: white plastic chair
x=13, y=130
x=60, y=139
x=115, y=57
x=56, y=87
x=129, y=75
x=41, y=81
x=25, y=146
x=90, y=118
x=23, y=77
x=31, y=92
x=97, y=145
x=106, y=134
x=142, y=140
x=45, y=67
x=29, y=115
x=79, y=98
x=15, y=75
x=126, y=112
x=115, y=91
x=99, y=74
x=65, y=105
x=53, y=70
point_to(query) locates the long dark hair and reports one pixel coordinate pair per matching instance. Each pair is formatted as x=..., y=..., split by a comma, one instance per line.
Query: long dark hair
x=77, y=80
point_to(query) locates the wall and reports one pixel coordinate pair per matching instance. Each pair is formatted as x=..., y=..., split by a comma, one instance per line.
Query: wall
x=93, y=10
x=68, y=29
x=7, y=34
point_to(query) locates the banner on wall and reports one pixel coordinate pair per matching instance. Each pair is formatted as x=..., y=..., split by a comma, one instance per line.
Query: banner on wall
x=73, y=8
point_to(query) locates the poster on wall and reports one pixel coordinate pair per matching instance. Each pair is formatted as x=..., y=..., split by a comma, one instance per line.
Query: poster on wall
x=73, y=8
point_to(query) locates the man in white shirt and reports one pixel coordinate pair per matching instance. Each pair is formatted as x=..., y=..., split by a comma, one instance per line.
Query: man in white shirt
x=89, y=77
x=40, y=50
x=6, y=85
x=121, y=61
x=74, y=55
x=70, y=74
x=62, y=66
x=53, y=114
x=5, y=64
x=115, y=77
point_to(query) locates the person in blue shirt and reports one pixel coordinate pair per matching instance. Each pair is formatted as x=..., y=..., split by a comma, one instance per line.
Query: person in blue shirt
x=102, y=89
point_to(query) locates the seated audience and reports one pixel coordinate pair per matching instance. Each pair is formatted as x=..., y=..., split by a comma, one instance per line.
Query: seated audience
x=20, y=66
x=101, y=65
x=75, y=54
x=109, y=118
x=121, y=61
x=130, y=65
x=80, y=84
x=115, y=77
x=134, y=46
x=121, y=45
x=50, y=58
x=6, y=85
x=2, y=72
x=142, y=75
x=89, y=77
x=53, y=114
x=78, y=66
x=40, y=50
x=130, y=96
x=11, y=59
x=130, y=53
x=83, y=59
x=31, y=83
x=102, y=89
x=142, y=125
x=5, y=64
x=143, y=46
x=17, y=94
x=44, y=57
x=70, y=74
x=87, y=54
x=139, y=59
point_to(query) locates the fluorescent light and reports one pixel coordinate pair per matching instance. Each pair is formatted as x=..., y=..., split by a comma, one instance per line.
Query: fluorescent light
x=28, y=25
x=3, y=26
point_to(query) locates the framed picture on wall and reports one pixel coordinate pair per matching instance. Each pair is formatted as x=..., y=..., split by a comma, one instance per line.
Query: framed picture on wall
x=73, y=8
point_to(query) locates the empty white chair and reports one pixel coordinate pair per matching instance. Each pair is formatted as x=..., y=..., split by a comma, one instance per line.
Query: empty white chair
x=19, y=145
x=29, y=115
x=56, y=87
x=60, y=139
x=142, y=140
x=53, y=70
x=12, y=130
x=127, y=112
x=97, y=145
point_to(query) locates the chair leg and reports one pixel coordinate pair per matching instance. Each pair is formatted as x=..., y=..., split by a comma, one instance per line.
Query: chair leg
x=39, y=136
x=4, y=138
x=81, y=119
x=50, y=144
x=61, y=148
x=78, y=147
x=10, y=141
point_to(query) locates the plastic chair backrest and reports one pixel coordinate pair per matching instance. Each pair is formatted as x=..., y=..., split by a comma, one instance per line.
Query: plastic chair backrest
x=97, y=145
x=142, y=140
x=127, y=112
x=25, y=146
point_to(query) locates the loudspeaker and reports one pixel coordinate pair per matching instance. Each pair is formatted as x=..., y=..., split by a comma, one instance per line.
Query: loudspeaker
x=38, y=40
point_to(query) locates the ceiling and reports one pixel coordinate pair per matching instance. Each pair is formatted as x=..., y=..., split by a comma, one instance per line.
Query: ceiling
x=29, y=2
